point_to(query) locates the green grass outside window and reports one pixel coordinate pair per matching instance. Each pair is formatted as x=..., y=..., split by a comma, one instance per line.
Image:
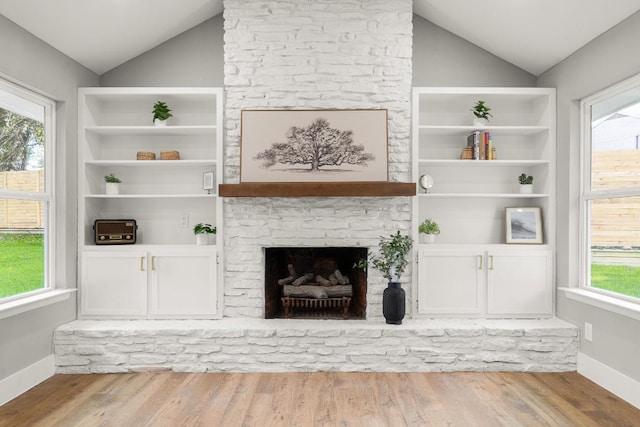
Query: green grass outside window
x=621, y=279
x=21, y=263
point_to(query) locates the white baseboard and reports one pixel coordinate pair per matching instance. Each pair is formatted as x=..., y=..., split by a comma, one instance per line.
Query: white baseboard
x=617, y=383
x=16, y=384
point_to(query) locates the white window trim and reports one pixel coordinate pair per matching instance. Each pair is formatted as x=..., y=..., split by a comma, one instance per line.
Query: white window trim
x=33, y=300
x=616, y=303
x=48, y=295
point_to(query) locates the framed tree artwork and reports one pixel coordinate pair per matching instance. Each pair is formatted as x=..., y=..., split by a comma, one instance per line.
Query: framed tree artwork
x=314, y=146
x=524, y=225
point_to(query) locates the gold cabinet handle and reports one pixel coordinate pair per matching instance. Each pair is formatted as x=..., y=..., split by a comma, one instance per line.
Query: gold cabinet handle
x=142, y=263
x=479, y=262
x=153, y=263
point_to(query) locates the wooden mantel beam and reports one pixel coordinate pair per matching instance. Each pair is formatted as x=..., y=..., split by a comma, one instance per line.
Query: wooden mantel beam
x=318, y=189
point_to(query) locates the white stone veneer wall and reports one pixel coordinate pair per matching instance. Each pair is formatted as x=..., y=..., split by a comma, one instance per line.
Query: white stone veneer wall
x=313, y=54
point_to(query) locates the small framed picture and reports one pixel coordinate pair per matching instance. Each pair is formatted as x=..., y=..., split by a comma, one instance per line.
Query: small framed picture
x=524, y=225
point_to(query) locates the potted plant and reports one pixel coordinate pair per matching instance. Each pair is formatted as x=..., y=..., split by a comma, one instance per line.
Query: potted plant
x=203, y=232
x=391, y=260
x=113, y=184
x=526, y=183
x=428, y=230
x=161, y=113
x=481, y=113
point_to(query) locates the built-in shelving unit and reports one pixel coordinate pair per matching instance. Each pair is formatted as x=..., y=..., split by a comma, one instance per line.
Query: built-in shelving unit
x=468, y=199
x=165, y=197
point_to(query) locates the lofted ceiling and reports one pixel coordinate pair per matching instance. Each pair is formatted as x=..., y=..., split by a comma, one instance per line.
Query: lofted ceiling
x=531, y=34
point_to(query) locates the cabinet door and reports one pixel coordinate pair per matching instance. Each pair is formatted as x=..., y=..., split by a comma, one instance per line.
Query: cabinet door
x=450, y=282
x=520, y=283
x=113, y=283
x=183, y=284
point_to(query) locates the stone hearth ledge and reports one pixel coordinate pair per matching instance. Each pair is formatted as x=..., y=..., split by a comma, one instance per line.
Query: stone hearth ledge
x=281, y=345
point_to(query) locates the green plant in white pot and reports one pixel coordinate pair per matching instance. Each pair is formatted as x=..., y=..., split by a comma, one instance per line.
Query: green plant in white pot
x=428, y=230
x=481, y=112
x=391, y=260
x=161, y=113
x=526, y=183
x=112, y=184
x=203, y=232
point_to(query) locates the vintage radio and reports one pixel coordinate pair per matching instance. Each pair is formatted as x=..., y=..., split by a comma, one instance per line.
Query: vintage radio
x=115, y=231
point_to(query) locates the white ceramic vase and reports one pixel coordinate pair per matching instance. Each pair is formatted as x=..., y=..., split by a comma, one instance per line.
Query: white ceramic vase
x=202, y=239
x=427, y=238
x=477, y=121
x=526, y=188
x=113, y=188
x=159, y=122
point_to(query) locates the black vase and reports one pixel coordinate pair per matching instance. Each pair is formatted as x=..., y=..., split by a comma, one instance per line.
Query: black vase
x=393, y=303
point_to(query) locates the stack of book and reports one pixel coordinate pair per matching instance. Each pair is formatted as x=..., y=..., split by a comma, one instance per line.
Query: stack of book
x=480, y=144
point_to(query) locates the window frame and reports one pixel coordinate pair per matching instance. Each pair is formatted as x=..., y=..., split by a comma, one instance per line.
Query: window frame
x=47, y=196
x=588, y=195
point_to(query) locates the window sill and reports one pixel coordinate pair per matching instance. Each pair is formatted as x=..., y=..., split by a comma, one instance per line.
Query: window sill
x=605, y=302
x=22, y=305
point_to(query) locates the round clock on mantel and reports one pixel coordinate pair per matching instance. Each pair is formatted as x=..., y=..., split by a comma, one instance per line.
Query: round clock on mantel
x=426, y=182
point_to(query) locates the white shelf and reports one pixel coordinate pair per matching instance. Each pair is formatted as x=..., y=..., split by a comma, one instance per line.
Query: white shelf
x=152, y=163
x=482, y=163
x=470, y=269
x=151, y=196
x=495, y=130
x=114, y=124
x=482, y=195
x=152, y=130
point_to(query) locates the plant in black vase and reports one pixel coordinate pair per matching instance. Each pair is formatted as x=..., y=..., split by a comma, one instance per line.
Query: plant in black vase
x=391, y=260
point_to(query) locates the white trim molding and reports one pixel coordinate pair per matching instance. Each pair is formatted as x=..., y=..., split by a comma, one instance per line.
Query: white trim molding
x=605, y=302
x=616, y=382
x=29, y=377
x=21, y=305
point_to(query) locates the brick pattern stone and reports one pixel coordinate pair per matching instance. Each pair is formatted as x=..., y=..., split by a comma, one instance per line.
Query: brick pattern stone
x=278, y=346
x=311, y=55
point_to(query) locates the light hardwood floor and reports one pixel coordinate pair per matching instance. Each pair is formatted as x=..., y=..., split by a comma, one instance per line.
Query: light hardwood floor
x=319, y=399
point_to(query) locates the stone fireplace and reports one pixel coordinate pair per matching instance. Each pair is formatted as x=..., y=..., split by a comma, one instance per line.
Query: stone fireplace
x=306, y=282
x=336, y=54
x=282, y=54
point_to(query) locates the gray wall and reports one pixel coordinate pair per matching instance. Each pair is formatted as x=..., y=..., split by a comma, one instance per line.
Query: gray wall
x=24, y=59
x=612, y=57
x=441, y=58
x=194, y=58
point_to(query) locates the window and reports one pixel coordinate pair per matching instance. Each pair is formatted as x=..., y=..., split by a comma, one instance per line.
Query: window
x=610, y=202
x=26, y=192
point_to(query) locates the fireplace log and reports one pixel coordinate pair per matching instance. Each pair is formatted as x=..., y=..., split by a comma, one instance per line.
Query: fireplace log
x=304, y=291
x=342, y=280
x=314, y=291
x=302, y=279
x=322, y=281
x=292, y=276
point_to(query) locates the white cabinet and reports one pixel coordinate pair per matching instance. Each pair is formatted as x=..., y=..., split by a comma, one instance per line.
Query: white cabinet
x=485, y=281
x=519, y=282
x=451, y=281
x=160, y=283
x=468, y=198
x=182, y=283
x=165, y=196
x=113, y=283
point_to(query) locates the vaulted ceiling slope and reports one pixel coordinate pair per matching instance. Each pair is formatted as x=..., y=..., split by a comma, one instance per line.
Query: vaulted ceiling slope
x=531, y=34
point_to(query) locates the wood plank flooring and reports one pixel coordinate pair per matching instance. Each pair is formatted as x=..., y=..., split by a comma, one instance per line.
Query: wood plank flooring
x=319, y=399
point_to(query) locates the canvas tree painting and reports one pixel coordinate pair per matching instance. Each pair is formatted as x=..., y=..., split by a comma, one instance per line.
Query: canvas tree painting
x=314, y=145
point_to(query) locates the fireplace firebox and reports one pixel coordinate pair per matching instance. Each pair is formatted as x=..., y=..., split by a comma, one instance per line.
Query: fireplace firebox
x=321, y=282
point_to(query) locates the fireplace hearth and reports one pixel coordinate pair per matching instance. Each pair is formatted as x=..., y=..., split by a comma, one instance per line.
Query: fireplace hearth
x=308, y=282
